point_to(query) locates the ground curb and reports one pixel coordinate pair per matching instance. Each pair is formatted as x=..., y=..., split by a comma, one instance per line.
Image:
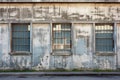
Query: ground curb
x=60, y=74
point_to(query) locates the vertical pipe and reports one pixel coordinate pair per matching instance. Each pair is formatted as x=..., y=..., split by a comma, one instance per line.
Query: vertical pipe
x=72, y=39
x=51, y=40
x=9, y=42
x=93, y=44
x=31, y=43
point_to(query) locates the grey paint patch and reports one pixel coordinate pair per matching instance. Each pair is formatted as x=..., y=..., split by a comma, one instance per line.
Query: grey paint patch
x=14, y=12
x=26, y=13
x=104, y=62
x=3, y=13
x=61, y=62
x=20, y=62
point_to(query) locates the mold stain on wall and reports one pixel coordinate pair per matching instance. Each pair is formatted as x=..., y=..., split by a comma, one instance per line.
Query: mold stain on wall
x=5, y=58
x=61, y=12
x=82, y=56
x=41, y=45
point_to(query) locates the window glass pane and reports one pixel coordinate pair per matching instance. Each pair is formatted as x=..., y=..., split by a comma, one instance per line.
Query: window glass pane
x=67, y=35
x=61, y=36
x=20, y=37
x=104, y=37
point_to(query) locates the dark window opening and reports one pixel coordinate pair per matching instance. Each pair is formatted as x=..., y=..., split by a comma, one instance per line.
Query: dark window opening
x=104, y=37
x=20, y=37
x=61, y=37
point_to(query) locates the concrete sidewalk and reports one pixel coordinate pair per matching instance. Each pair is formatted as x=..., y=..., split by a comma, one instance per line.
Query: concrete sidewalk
x=59, y=73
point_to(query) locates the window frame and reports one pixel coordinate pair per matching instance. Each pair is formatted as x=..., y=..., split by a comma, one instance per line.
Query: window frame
x=11, y=43
x=113, y=46
x=62, y=51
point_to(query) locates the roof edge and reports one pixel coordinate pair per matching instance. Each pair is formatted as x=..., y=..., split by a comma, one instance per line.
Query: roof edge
x=62, y=1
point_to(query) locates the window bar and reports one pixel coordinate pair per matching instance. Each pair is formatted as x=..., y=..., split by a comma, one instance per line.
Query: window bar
x=64, y=36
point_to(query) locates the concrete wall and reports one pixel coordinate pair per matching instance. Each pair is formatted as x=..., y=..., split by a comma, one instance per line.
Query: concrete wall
x=82, y=45
x=60, y=12
x=41, y=45
x=4, y=46
x=82, y=17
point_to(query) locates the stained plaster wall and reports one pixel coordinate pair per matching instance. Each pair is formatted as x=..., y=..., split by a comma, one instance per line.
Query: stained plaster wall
x=82, y=16
x=59, y=11
x=41, y=45
x=82, y=57
x=4, y=46
x=118, y=45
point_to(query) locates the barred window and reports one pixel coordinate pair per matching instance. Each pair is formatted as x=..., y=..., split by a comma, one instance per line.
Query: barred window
x=104, y=37
x=61, y=37
x=20, y=37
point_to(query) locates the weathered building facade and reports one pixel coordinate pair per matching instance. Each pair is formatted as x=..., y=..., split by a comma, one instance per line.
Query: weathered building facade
x=60, y=34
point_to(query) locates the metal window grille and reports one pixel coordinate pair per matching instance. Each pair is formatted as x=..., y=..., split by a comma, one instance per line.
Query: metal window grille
x=61, y=37
x=104, y=37
x=20, y=37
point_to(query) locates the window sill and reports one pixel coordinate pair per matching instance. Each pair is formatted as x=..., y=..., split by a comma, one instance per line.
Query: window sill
x=61, y=53
x=105, y=53
x=20, y=53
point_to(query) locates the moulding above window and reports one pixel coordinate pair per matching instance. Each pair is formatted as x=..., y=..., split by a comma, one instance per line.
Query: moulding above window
x=59, y=0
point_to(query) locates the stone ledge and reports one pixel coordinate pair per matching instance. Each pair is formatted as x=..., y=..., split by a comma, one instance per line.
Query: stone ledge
x=20, y=53
x=105, y=53
x=61, y=53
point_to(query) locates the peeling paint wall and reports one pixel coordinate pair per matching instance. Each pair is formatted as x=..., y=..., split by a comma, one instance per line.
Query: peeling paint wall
x=104, y=62
x=61, y=62
x=82, y=57
x=41, y=45
x=4, y=47
x=81, y=16
x=20, y=62
x=118, y=45
x=60, y=11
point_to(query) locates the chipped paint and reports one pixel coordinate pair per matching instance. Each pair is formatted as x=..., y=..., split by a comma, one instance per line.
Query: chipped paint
x=104, y=62
x=118, y=45
x=4, y=52
x=83, y=55
x=63, y=11
x=41, y=45
x=20, y=62
x=83, y=37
